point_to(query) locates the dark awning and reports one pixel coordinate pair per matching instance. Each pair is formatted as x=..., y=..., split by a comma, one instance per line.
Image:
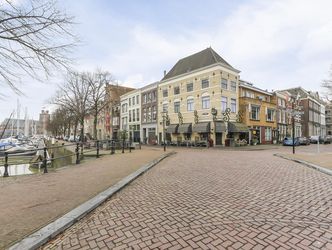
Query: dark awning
x=185, y=128
x=220, y=127
x=202, y=127
x=237, y=127
x=172, y=128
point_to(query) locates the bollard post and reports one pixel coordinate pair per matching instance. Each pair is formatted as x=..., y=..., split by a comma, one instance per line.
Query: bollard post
x=123, y=146
x=97, y=149
x=52, y=159
x=45, y=160
x=112, y=147
x=5, y=174
x=82, y=147
x=130, y=144
x=139, y=143
x=77, y=153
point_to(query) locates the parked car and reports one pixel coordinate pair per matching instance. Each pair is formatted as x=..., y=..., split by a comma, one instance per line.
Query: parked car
x=327, y=139
x=304, y=141
x=288, y=141
x=315, y=138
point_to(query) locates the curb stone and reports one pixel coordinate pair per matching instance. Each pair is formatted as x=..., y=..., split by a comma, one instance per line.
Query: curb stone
x=42, y=236
x=307, y=164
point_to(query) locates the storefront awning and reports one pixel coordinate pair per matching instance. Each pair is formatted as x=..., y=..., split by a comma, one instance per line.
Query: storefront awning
x=185, y=128
x=201, y=127
x=220, y=127
x=236, y=127
x=172, y=129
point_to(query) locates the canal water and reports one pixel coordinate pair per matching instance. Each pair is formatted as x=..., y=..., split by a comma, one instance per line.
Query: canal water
x=63, y=155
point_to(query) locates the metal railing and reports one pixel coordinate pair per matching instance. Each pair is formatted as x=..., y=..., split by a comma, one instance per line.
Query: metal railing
x=45, y=156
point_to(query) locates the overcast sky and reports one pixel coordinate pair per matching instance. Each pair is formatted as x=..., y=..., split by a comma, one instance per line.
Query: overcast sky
x=276, y=44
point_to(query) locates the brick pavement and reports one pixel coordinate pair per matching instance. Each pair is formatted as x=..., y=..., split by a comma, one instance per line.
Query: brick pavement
x=27, y=203
x=210, y=199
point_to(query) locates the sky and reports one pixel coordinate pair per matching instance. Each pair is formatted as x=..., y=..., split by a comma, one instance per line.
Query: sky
x=275, y=44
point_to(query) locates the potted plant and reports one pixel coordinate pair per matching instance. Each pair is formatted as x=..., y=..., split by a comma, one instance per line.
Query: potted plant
x=254, y=141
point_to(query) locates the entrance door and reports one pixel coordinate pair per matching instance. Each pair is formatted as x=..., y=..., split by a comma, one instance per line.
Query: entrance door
x=218, y=138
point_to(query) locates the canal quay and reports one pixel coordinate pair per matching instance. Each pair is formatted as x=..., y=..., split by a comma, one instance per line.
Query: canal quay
x=30, y=202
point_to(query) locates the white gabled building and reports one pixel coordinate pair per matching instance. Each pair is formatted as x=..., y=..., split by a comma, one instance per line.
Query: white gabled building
x=131, y=114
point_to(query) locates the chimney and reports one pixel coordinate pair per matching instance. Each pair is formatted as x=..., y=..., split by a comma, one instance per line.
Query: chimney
x=164, y=72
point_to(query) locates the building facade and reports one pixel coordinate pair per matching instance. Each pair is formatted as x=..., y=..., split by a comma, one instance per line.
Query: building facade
x=281, y=115
x=149, y=114
x=259, y=113
x=112, y=109
x=196, y=97
x=328, y=118
x=131, y=114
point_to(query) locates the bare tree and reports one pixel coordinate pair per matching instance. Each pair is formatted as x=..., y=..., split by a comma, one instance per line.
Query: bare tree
x=35, y=37
x=74, y=97
x=97, y=101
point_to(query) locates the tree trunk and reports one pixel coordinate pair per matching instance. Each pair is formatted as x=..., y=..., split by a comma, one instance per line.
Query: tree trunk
x=95, y=120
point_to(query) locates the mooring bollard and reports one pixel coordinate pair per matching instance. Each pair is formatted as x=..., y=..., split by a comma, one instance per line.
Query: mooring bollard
x=77, y=153
x=97, y=149
x=45, y=160
x=5, y=174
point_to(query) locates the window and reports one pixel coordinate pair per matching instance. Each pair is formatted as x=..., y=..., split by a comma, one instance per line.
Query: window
x=165, y=93
x=205, y=102
x=129, y=115
x=165, y=107
x=133, y=115
x=249, y=94
x=176, y=90
x=144, y=115
x=190, y=104
x=133, y=100
x=137, y=114
x=176, y=107
x=268, y=134
x=270, y=115
x=144, y=98
x=149, y=114
x=223, y=83
x=233, y=105
x=123, y=108
x=223, y=103
x=233, y=86
x=205, y=83
x=149, y=97
x=137, y=99
x=190, y=87
x=154, y=96
x=255, y=110
x=154, y=113
x=129, y=102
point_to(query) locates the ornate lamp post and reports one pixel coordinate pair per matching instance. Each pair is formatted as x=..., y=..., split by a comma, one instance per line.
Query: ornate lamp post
x=294, y=112
x=165, y=122
x=214, y=113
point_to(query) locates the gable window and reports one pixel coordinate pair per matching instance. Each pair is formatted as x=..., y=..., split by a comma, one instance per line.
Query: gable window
x=233, y=105
x=255, y=110
x=205, y=102
x=190, y=104
x=233, y=86
x=223, y=103
x=190, y=87
x=176, y=107
x=165, y=93
x=223, y=83
x=205, y=83
x=176, y=90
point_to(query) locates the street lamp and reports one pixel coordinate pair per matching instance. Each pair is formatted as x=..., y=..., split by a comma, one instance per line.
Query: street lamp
x=164, y=115
x=294, y=113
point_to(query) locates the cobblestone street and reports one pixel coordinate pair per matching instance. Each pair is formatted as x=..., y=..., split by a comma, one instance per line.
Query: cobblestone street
x=211, y=199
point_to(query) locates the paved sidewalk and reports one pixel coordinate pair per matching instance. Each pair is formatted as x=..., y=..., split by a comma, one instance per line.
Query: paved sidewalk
x=30, y=202
x=210, y=199
x=322, y=159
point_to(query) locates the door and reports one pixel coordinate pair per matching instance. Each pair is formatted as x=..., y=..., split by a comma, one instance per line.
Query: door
x=218, y=138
